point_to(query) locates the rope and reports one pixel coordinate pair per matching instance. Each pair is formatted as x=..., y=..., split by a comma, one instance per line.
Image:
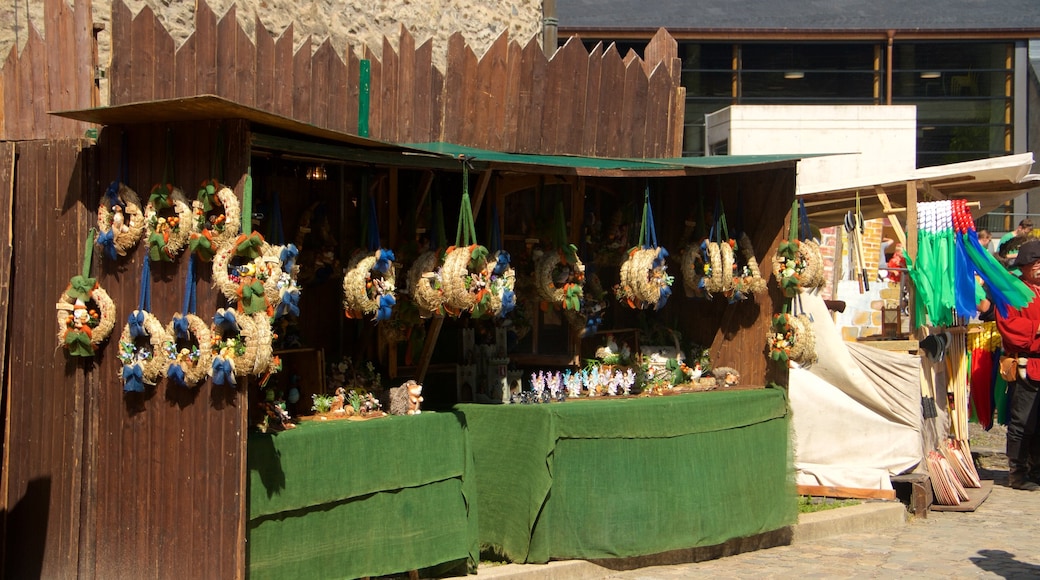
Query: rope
x=794, y=221
x=88, y=252
x=145, y=303
x=373, y=225
x=465, y=233
x=189, y=288
x=647, y=231
x=247, y=203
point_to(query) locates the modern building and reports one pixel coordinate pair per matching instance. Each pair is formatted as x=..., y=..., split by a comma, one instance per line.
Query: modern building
x=964, y=64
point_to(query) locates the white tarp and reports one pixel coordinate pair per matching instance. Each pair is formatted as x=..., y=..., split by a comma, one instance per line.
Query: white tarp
x=856, y=413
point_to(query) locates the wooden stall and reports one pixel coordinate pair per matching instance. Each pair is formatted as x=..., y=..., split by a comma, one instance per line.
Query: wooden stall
x=172, y=447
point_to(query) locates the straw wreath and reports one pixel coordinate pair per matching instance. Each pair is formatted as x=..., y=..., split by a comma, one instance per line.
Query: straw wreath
x=780, y=338
x=167, y=236
x=424, y=284
x=501, y=283
x=560, y=278
x=644, y=278
x=252, y=280
x=813, y=278
x=369, y=286
x=241, y=346
x=462, y=276
x=284, y=294
x=803, y=339
x=142, y=365
x=82, y=328
x=697, y=269
x=217, y=217
x=190, y=363
x=120, y=220
x=716, y=282
x=748, y=280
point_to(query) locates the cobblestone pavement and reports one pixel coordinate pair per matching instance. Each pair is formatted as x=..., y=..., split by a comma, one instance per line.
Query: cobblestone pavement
x=1001, y=539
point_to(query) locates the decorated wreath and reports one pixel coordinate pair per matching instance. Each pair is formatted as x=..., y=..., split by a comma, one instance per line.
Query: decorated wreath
x=240, y=346
x=697, y=267
x=247, y=272
x=141, y=351
x=369, y=286
x=166, y=232
x=560, y=278
x=747, y=280
x=644, y=279
x=286, y=295
x=216, y=218
x=120, y=221
x=86, y=314
x=188, y=339
x=791, y=339
x=798, y=263
x=425, y=286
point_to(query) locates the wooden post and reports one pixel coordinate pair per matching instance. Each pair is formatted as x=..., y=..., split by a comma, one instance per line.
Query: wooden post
x=427, y=349
x=911, y=243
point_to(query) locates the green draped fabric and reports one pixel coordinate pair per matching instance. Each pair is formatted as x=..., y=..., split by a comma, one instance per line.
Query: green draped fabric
x=345, y=499
x=627, y=477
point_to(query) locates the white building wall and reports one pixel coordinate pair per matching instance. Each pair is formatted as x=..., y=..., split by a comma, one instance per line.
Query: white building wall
x=862, y=141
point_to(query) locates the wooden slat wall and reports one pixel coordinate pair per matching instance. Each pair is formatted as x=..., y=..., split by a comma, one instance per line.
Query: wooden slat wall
x=49, y=74
x=172, y=460
x=512, y=98
x=46, y=392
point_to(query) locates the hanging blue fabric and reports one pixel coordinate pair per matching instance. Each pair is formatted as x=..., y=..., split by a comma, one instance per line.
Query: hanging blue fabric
x=107, y=240
x=805, y=231
x=136, y=318
x=501, y=256
x=275, y=234
x=133, y=379
x=225, y=321
x=180, y=323
x=385, y=257
x=964, y=279
x=288, y=257
x=223, y=373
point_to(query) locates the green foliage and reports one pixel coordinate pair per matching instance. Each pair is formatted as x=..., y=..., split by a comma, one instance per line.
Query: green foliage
x=322, y=403
x=809, y=504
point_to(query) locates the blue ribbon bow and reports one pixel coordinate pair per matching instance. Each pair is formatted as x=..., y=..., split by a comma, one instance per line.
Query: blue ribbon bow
x=176, y=373
x=288, y=257
x=180, y=327
x=383, y=261
x=225, y=321
x=223, y=373
x=508, y=303
x=136, y=323
x=501, y=263
x=290, y=303
x=386, y=305
x=133, y=379
x=107, y=241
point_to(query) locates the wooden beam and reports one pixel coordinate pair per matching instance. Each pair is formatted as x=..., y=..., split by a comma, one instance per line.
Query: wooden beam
x=933, y=193
x=883, y=198
x=846, y=492
x=424, y=191
x=482, y=185
x=427, y=349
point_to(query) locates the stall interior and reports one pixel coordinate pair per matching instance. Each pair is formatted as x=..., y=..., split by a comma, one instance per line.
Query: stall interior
x=335, y=211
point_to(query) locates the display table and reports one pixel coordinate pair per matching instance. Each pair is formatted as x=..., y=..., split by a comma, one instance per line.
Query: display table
x=345, y=499
x=628, y=477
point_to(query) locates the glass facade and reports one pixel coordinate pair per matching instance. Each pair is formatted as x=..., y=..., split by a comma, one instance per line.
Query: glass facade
x=963, y=91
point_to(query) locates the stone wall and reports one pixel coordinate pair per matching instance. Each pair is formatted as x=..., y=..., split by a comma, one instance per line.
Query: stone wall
x=346, y=23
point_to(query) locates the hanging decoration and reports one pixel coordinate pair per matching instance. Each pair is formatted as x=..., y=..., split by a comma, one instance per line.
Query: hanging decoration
x=369, y=286
x=501, y=274
x=559, y=273
x=424, y=276
x=141, y=343
x=644, y=275
x=473, y=281
x=120, y=221
x=949, y=256
x=696, y=265
x=241, y=346
x=282, y=261
x=798, y=264
x=188, y=351
x=86, y=314
x=166, y=232
x=216, y=216
x=747, y=278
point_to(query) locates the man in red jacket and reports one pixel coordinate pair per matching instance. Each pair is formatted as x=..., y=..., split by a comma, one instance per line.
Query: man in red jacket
x=1021, y=333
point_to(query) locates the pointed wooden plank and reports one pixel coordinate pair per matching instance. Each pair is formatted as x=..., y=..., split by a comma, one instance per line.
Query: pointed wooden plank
x=284, y=76
x=676, y=121
x=497, y=57
x=320, y=83
x=337, y=100
x=61, y=64
x=227, y=62
x=478, y=100
x=454, y=100
x=165, y=66
x=611, y=90
x=6, y=243
x=351, y=105
x=422, y=121
x=662, y=48
x=205, y=50
x=33, y=81
x=532, y=88
x=8, y=86
x=142, y=71
x=658, y=97
x=406, y=79
x=301, y=89
x=85, y=57
x=375, y=108
x=184, y=76
x=265, y=68
x=387, y=110
x=511, y=97
x=437, y=105
x=633, y=116
x=245, y=65
x=551, y=115
x=119, y=84
x=574, y=66
x=592, y=101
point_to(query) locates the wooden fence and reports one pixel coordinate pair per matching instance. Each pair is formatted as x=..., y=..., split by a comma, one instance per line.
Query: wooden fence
x=512, y=98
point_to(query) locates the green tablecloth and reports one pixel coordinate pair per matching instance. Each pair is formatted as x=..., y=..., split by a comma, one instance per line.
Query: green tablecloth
x=628, y=477
x=344, y=499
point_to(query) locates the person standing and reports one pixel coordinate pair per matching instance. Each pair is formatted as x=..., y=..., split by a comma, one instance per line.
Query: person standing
x=1020, y=331
x=1025, y=228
